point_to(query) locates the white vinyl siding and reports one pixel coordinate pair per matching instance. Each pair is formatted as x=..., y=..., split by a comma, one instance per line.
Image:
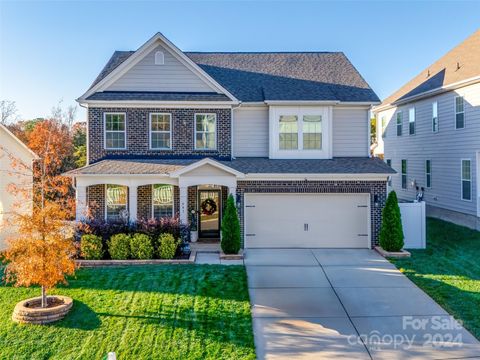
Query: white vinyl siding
x=389, y=163
x=444, y=148
x=466, y=177
x=172, y=76
x=115, y=131
x=350, y=132
x=250, y=132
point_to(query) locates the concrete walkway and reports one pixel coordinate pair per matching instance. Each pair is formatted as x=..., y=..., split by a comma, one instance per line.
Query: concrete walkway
x=345, y=304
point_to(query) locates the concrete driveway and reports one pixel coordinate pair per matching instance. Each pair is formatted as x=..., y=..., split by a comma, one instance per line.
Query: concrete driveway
x=345, y=304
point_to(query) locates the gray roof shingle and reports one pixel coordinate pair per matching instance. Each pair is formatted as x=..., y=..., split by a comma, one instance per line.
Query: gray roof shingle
x=348, y=165
x=256, y=77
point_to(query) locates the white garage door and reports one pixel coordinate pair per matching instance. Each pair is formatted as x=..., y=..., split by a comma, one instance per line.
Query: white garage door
x=307, y=220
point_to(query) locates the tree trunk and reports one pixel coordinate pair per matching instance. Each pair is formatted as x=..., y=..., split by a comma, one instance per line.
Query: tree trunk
x=44, y=297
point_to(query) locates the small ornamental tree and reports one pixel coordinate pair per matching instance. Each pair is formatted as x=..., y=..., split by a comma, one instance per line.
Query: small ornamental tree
x=230, y=228
x=391, y=232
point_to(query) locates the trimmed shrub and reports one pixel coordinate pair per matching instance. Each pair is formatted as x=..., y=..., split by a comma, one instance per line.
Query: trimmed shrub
x=119, y=246
x=91, y=247
x=231, y=240
x=141, y=247
x=391, y=232
x=167, y=246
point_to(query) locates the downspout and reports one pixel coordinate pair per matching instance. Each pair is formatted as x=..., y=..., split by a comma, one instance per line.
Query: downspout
x=231, y=129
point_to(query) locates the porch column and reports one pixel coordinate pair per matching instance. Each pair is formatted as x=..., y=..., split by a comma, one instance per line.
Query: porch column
x=132, y=202
x=183, y=205
x=80, y=202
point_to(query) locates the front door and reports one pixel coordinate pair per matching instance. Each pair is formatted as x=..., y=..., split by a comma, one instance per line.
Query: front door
x=209, y=208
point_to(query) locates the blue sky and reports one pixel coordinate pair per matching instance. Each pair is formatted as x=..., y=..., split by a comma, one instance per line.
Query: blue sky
x=54, y=50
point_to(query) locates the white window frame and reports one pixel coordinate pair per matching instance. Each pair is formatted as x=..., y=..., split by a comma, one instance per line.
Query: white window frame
x=106, y=202
x=173, y=199
x=469, y=180
x=150, y=131
x=399, y=124
x=113, y=131
x=195, y=132
x=428, y=174
x=435, y=110
x=274, y=129
x=455, y=112
x=412, y=120
x=402, y=173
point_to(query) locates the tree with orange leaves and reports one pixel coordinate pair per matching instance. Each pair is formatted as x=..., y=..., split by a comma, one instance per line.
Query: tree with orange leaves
x=41, y=250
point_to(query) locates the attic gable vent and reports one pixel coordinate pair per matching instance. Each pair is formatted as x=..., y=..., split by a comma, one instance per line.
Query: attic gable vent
x=159, y=58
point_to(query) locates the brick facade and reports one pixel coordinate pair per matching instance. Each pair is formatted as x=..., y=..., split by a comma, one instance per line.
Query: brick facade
x=137, y=129
x=96, y=201
x=377, y=190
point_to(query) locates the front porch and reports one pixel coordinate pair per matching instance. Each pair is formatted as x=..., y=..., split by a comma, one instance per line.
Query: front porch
x=199, y=189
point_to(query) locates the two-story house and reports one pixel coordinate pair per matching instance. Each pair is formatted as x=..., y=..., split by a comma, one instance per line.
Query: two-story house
x=286, y=133
x=429, y=131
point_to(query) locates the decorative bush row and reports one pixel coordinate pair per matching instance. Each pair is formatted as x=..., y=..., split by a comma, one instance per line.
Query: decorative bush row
x=130, y=246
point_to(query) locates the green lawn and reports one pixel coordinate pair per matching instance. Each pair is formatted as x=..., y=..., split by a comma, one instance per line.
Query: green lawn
x=449, y=270
x=147, y=312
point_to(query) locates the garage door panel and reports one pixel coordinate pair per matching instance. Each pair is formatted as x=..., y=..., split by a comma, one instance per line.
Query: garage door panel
x=307, y=220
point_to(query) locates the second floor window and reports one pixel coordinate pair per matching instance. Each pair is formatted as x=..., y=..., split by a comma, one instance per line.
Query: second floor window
x=312, y=132
x=205, y=131
x=162, y=200
x=411, y=121
x=160, y=131
x=435, y=117
x=399, y=123
x=288, y=132
x=115, y=131
x=404, y=174
x=459, y=112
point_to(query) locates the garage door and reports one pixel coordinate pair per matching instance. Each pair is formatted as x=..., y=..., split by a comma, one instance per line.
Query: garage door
x=307, y=220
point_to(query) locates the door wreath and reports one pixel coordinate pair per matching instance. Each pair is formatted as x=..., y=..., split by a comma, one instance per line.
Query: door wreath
x=209, y=206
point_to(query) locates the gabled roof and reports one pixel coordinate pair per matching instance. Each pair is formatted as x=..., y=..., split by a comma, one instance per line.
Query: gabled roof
x=22, y=145
x=121, y=62
x=258, y=76
x=460, y=64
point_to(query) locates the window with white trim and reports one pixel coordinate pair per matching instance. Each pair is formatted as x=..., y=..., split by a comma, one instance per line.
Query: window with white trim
x=435, y=117
x=312, y=132
x=162, y=200
x=115, y=202
x=288, y=132
x=389, y=163
x=399, y=123
x=115, y=131
x=466, y=180
x=160, y=131
x=404, y=174
x=205, y=131
x=428, y=173
x=159, y=58
x=459, y=112
x=411, y=121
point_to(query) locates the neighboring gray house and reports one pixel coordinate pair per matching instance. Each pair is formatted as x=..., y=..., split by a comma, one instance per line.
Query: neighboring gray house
x=429, y=131
x=287, y=134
